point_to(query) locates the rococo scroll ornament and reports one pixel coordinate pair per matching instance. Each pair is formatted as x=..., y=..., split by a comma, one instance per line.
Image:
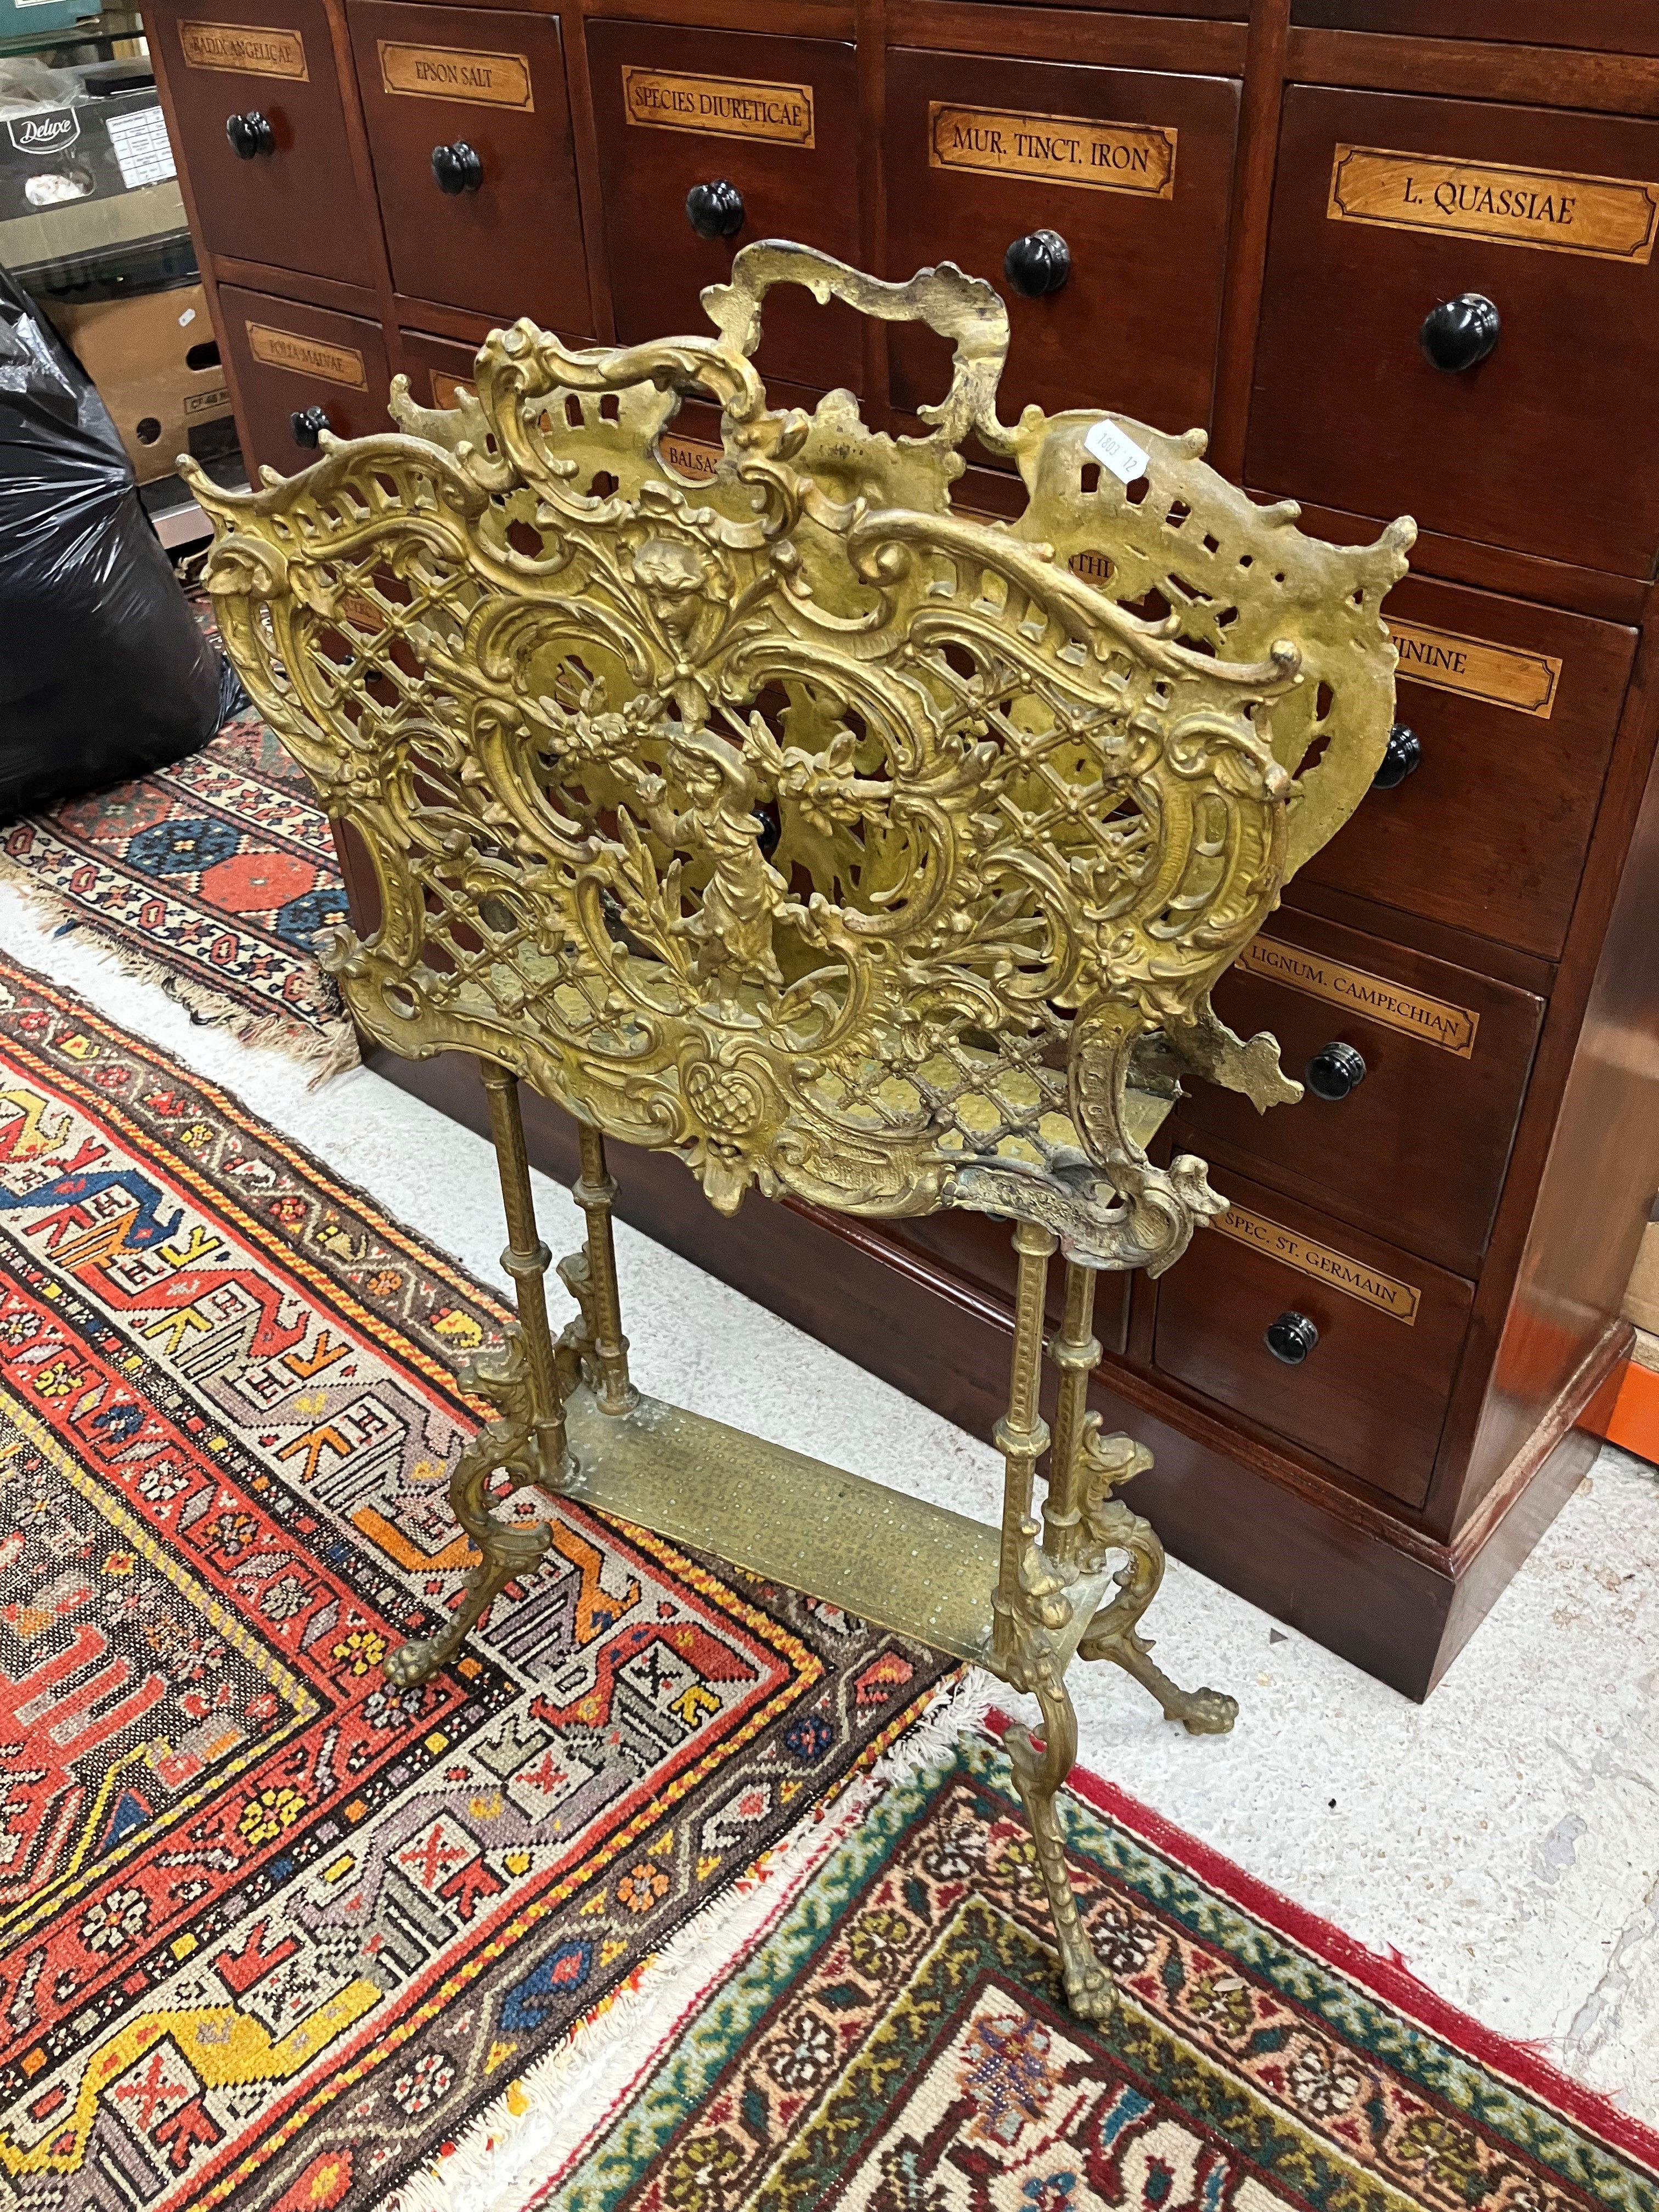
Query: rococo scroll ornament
x=844, y=840
x=841, y=840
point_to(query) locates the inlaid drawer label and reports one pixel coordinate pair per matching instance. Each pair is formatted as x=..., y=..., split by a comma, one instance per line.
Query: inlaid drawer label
x=448, y=389
x=245, y=48
x=1061, y=149
x=729, y=106
x=1610, y=218
x=363, y=612
x=1342, y=1273
x=335, y=364
x=457, y=73
x=692, y=457
x=1436, y=1021
x=1502, y=675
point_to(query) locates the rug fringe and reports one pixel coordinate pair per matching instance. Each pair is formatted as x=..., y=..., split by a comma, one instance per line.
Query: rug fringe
x=518, y=2145
x=961, y=1706
x=330, y=1051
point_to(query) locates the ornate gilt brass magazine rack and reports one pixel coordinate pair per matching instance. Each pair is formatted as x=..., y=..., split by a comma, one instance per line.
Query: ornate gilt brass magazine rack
x=843, y=842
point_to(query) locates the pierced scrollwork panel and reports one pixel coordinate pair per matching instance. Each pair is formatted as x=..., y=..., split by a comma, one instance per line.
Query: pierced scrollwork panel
x=837, y=839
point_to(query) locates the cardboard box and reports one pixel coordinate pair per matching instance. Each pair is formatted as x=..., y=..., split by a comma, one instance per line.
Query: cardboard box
x=146, y=356
x=81, y=178
x=1642, y=1300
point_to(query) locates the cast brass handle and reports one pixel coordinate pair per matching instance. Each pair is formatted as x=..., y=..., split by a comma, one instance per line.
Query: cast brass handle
x=1401, y=758
x=1460, y=334
x=715, y=210
x=1292, y=1338
x=1037, y=264
x=250, y=134
x=308, y=424
x=457, y=168
x=1335, y=1070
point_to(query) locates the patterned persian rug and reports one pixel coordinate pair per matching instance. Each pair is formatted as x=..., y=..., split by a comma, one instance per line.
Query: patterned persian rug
x=896, y=2042
x=272, y=1932
x=210, y=877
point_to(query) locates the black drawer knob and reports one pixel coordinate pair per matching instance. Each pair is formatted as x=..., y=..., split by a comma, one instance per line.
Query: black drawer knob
x=308, y=424
x=1336, y=1071
x=1292, y=1338
x=1037, y=264
x=457, y=168
x=1401, y=758
x=1460, y=334
x=715, y=210
x=250, y=134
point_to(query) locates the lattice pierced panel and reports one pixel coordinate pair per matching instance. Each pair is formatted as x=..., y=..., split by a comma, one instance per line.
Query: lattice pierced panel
x=843, y=842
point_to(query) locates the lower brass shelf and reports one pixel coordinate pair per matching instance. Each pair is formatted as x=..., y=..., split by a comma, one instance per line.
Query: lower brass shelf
x=918, y=1569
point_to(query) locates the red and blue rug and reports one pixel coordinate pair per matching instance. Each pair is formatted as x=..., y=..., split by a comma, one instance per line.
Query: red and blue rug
x=212, y=878
x=272, y=1931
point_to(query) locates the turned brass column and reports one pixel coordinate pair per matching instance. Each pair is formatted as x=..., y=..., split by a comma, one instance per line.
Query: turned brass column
x=1076, y=1352
x=1022, y=1434
x=526, y=1259
x=594, y=1191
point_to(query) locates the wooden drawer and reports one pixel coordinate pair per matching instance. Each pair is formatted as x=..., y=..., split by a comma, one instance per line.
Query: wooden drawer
x=298, y=205
x=1624, y=26
x=1514, y=708
x=1419, y=1146
x=1371, y=1397
x=978, y=1251
x=1132, y=168
x=1547, y=445
x=286, y=357
x=434, y=367
x=434, y=77
x=776, y=118
x=1211, y=11
x=1202, y=10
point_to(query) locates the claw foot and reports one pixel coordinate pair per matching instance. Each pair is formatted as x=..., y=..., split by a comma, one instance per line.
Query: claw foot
x=412, y=1664
x=1207, y=1712
x=1091, y=1996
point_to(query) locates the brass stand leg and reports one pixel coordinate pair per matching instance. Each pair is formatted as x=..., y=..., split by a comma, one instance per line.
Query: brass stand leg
x=1039, y=1775
x=1022, y=1434
x=507, y=1445
x=593, y=1192
x=1030, y=1605
x=1076, y=1352
x=527, y=1260
x=573, y=1355
x=1105, y=1461
x=527, y=1440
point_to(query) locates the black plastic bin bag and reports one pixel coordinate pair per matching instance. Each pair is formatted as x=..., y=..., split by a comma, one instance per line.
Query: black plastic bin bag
x=104, y=671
